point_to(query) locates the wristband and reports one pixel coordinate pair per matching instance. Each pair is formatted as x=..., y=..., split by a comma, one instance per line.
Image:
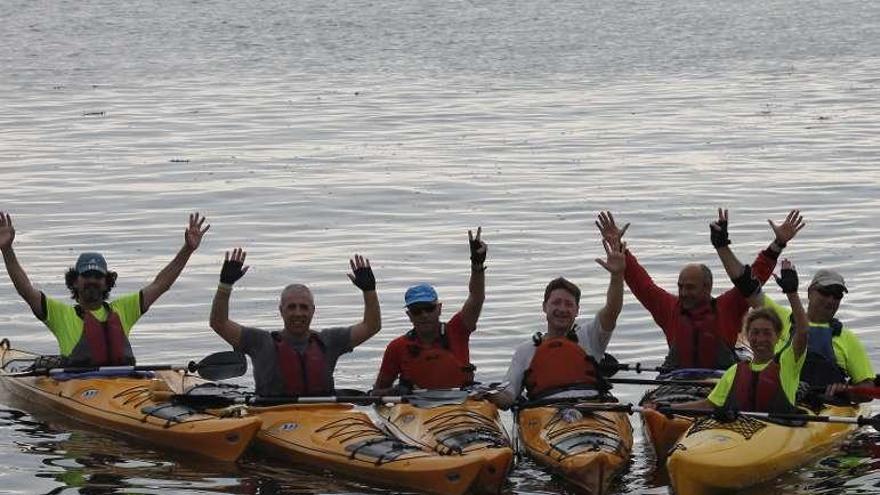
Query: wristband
x=224, y=287
x=780, y=245
x=478, y=268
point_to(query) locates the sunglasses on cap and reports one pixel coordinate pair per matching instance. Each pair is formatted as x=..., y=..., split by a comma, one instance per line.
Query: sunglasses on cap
x=834, y=291
x=417, y=309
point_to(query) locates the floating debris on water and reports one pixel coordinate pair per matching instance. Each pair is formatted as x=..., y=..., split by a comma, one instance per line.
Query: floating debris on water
x=179, y=160
x=93, y=114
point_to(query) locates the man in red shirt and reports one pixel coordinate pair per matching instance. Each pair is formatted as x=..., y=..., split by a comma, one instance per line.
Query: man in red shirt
x=435, y=354
x=702, y=331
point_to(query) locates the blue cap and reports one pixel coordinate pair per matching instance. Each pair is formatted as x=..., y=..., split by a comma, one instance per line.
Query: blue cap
x=91, y=262
x=422, y=293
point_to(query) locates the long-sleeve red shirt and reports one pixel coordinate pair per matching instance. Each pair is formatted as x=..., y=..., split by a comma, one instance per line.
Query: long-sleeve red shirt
x=667, y=312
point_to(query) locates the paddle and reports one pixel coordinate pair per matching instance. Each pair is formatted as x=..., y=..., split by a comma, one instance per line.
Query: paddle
x=427, y=398
x=873, y=421
x=217, y=366
x=644, y=381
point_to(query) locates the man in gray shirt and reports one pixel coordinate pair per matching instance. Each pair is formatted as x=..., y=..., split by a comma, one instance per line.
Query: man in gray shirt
x=297, y=360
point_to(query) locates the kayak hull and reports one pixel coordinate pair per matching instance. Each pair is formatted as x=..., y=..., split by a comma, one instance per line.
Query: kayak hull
x=341, y=439
x=472, y=429
x=716, y=457
x=125, y=405
x=588, y=450
x=663, y=432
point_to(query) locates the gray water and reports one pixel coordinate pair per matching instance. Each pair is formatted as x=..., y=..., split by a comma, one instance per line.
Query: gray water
x=309, y=131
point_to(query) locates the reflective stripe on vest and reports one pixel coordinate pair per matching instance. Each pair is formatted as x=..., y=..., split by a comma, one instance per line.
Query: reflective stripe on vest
x=758, y=391
x=695, y=342
x=303, y=373
x=560, y=363
x=432, y=367
x=101, y=343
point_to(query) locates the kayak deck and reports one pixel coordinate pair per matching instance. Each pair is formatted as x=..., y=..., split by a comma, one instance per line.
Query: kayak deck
x=588, y=449
x=125, y=405
x=471, y=429
x=714, y=457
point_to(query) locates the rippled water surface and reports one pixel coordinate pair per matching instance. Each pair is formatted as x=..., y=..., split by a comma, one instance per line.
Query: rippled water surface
x=308, y=131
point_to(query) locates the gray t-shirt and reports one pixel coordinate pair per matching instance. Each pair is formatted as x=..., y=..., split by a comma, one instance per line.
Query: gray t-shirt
x=260, y=346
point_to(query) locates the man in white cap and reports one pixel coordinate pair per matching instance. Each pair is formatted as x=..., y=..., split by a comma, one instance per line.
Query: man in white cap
x=435, y=354
x=94, y=332
x=835, y=356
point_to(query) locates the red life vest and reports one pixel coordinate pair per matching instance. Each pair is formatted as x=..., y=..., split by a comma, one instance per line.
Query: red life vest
x=432, y=367
x=561, y=364
x=758, y=391
x=102, y=343
x=303, y=373
x=696, y=343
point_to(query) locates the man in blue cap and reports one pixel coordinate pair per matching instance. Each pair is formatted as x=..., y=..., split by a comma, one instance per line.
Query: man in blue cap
x=435, y=354
x=94, y=332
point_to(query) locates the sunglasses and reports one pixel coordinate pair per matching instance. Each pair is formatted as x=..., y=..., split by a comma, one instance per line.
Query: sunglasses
x=835, y=292
x=421, y=308
x=92, y=274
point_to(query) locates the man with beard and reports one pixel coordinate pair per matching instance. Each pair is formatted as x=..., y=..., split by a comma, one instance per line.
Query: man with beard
x=94, y=332
x=297, y=360
x=702, y=331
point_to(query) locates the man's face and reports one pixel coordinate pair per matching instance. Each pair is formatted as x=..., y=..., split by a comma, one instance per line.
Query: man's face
x=692, y=288
x=424, y=314
x=90, y=286
x=561, y=309
x=297, y=309
x=823, y=303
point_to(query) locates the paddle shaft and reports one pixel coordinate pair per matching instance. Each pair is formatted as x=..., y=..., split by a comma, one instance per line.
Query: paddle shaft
x=646, y=381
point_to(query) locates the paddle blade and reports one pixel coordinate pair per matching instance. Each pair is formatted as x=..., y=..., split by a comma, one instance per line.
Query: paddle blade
x=221, y=366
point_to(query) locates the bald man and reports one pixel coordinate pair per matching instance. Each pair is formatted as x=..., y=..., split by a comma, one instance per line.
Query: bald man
x=297, y=360
x=701, y=330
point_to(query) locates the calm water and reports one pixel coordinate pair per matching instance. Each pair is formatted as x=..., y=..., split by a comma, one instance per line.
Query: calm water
x=308, y=131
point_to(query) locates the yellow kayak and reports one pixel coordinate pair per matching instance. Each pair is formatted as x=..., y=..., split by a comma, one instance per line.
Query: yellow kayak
x=469, y=430
x=588, y=449
x=125, y=405
x=717, y=457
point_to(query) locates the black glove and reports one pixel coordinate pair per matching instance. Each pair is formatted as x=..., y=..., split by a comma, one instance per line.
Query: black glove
x=364, y=279
x=477, y=257
x=719, y=236
x=231, y=272
x=788, y=281
x=746, y=283
x=724, y=414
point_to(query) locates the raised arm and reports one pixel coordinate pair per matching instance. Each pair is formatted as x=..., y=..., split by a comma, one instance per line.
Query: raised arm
x=789, y=284
x=20, y=280
x=192, y=238
x=233, y=269
x=615, y=263
x=473, y=305
x=362, y=276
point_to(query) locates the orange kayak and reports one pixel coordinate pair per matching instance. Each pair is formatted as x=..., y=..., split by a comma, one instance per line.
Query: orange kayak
x=469, y=430
x=588, y=450
x=125, y=405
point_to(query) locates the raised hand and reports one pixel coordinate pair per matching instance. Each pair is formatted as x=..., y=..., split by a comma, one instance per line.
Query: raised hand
x=478, y=248
x=718, y=230
x=608, y=228
x=193, y=235
x=233, y=266
x=361, y=274
x=789, y=279
x=7, y=231
x=786, y=231
x=615, y=261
